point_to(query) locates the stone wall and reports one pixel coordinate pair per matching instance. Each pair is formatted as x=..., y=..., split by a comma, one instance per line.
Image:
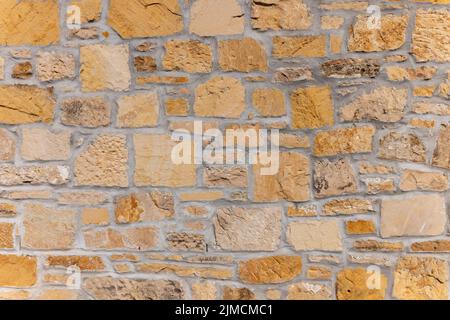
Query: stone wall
x=92, y=207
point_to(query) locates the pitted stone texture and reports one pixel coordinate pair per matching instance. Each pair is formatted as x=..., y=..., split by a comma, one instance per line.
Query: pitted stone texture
x=332, y=178
x=141, y=19
x=430, y=38
x=421, y=215
x=402, y=146
x=53, y=66
x=188, y=55
x=105, y=67
x=391, y=35
x=353, y=284
x=248, y=229
x=312, y=107
x=103, y=163
x=86, y=112
x=421, y=278
x=382, y=104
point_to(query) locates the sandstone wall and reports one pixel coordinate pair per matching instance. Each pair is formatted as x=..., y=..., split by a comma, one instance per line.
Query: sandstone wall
x=92, y=207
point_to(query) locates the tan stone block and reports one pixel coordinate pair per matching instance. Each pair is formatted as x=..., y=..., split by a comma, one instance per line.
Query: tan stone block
x=212, y=18
x=144, y=238
x=323, y=235
x=6, y=235
x=17, y=271
x=292, y=182
x=140, y=19
x=45, y=145
x=312, y=107
x=7, y=145
x=382, y=104
x=360, y=227
x=344, y=141
x=40, y=28
x=299, y=46
x=22, y=71
x=421, y=215
x=84, y=263
x=220, y=97
x=188, y=55
x=47, y=228
x=86, y=112
x=230, y=293
x=280, y=14
x=154, y=166
x=430, y=37
x=140, y=110
x=183, y=271
x=391, y=36
x=421, y=180
x=353, y=284
x=183, y=241
x=105, y=67
x=53, y=66
x=375, y=245
x=309, y=291
x=82, y=198
x=276, y=269
x=331, y=22
x=204, y=290
x=242, y=55
x=421, y=278
x=103, y=163
x=98, y=216
x=20, y=104
x=332, y=178
x=248, y=229
x=347, y=206
x=32, y=175
x=177, y=107
x=402, y=146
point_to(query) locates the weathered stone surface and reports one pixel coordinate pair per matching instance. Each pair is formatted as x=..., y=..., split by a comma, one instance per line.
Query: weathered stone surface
x=144, y=238
x=379, y=185
x=353, y=284
x=400, y=74
x=402, y=146
x=351, y=68
x=280, y=14
x=204, y=290
x=276, y=269
x=391, y=35
x=140, y=110
x=323, y=235
x=360, y=227
x=220, y=97
x=103, y=163
x=22, y=70
x=230, y=293
x=141, y=19
x=85, y=263
x=154, y=166
x=299, y=46
x=344, y=141
x=431, y=246
x=6, y=235
x=7, y=145
x=284, y=75
x=212, y=18
x=424, y=107
x=108, y=288
x=347, y=207
x=53, y=66
x=82, y=198
x=291, y=182
x=188, y=55
x=86, y=112
x=333, y=178
x=441, y=154
x=374, y=245
x=312, y=107
x=46, y=228
x=145, y=64
x=421, y=278
x=421, y=180
x=382, y=104
x=91, y=10
x=331, y=22
x=430, y=37
x=421, y=215
x=26, y=104
x=235, y=176
x=144, y=206
x=18, y=271
x=186, y=271
x=248, y=229
x=244, y=55
x=32, y=175
x=40, y=28
x=183, y=241
x=309, y=291
x=46, y=145
x=105, y=67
